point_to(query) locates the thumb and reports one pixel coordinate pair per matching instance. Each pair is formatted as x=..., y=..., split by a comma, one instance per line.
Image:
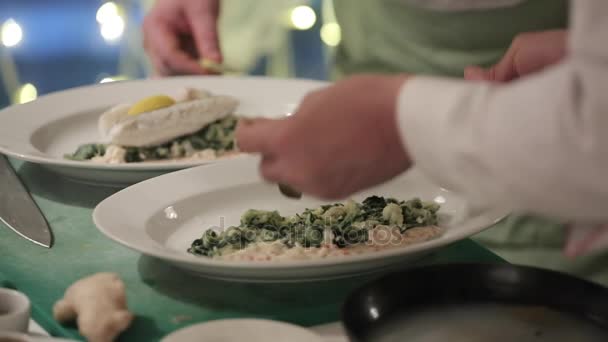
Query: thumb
x=203, y=22
x=505, y=70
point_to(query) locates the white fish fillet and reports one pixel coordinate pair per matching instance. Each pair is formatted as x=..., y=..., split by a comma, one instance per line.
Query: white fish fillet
x=163, y=125
x=111, y=117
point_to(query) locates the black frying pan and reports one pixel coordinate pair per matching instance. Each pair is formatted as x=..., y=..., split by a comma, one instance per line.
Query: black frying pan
x=389, y=304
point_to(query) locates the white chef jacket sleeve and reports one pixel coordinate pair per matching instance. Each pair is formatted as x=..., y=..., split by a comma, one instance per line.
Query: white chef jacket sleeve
x=539, y=144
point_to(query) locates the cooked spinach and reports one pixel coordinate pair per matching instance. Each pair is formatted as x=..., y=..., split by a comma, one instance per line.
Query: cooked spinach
x=218, y=136
x=270, y=220
x=87, y=151
x=347, y=224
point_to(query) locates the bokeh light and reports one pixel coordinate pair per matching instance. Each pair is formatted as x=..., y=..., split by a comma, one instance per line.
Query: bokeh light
x=26, y=93
x=113, y=28
x=331, y=34
x=106, y=12
x=303, y=17
x=12, y=34
x=111, y=22
x=110, y=79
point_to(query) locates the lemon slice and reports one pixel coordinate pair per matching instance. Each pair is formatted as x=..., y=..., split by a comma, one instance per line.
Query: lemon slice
x=214, y=66
x=151, y=103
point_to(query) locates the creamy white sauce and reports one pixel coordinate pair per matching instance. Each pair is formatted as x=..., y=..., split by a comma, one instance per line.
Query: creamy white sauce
x=116, y=155
x=380, y=238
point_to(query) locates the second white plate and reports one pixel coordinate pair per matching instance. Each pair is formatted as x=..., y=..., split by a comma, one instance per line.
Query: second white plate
x=161, y=217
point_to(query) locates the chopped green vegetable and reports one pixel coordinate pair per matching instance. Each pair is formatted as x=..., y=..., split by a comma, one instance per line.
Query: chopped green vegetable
x=393, y=214
x=234, y=236
x=269, y=235
x=262, y=219
x=372, y=208
x=218, y=136
x=211, y=239
x=87, y=152
x=345, y=224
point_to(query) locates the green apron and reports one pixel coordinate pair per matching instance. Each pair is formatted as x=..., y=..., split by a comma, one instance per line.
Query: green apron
x=389, y=36
x=392, y=35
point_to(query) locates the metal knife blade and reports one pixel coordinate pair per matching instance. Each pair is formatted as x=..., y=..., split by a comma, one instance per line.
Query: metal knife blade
x=289, y=192
x=19, y=211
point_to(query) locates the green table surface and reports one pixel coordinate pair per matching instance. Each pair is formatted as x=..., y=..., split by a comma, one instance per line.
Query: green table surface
x=163, y=298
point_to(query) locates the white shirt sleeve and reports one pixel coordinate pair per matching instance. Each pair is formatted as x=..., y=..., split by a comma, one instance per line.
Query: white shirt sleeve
x=539, y=144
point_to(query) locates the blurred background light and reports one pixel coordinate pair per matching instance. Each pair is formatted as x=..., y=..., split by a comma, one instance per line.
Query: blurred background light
x=331, y=34
x=111, y=21
x=62, y=44
x=303, y=17
x=26, y=93
x=106, y=12
x=11, y=33
x=113, y=28
x=109, y=79
x=106, y=80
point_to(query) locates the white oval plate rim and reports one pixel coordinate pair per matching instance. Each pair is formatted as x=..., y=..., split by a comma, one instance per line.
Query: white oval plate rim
x=166, y=254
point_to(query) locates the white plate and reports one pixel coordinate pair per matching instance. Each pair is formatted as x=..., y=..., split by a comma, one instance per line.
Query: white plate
x=160, y=217
x=43, y=131
x=240, y=330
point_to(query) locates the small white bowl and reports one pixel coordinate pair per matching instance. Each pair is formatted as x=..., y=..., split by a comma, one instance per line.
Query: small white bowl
x=238, y=330
x=14, y=311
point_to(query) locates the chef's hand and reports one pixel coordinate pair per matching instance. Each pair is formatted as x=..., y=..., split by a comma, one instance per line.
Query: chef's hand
x=342, y=139
x=178, y=33
x=529, y=53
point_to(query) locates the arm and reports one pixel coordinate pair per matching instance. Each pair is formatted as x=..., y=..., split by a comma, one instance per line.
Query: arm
x=536, y=144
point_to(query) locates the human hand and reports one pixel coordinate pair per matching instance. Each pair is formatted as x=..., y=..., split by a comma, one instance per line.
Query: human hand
x=342, y=139
x=529, y=53
x=178, y=33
